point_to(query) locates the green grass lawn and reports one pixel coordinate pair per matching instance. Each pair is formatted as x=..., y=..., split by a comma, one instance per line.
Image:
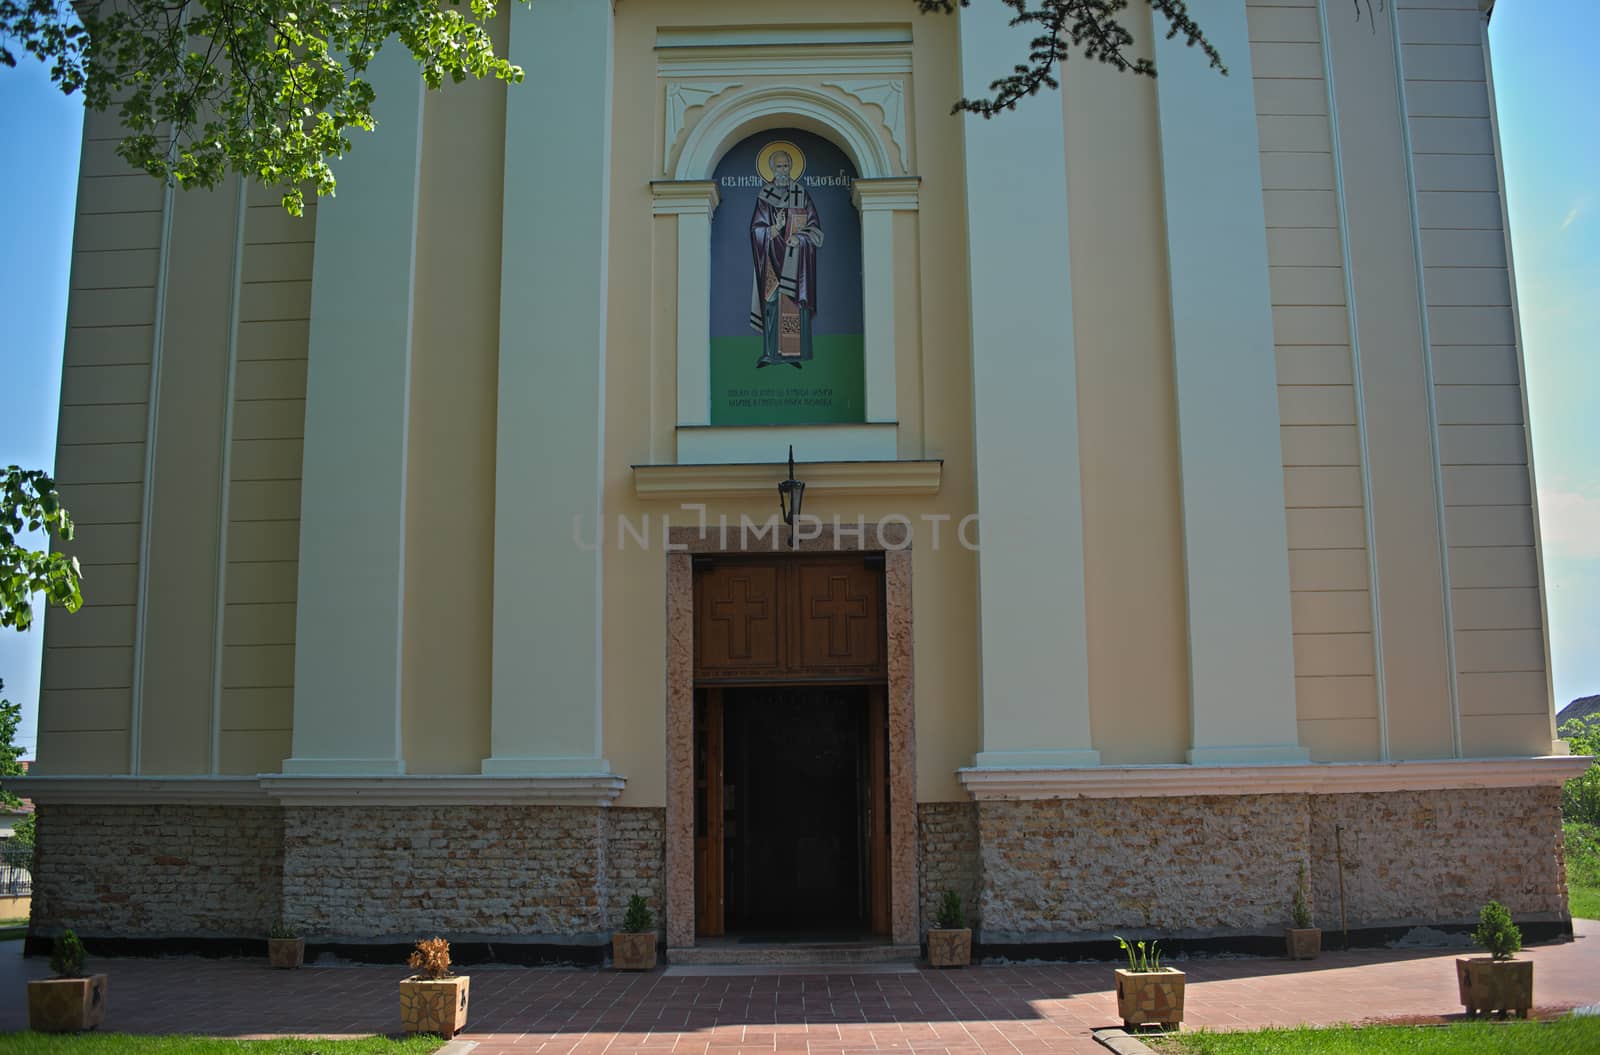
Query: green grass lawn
x=1583, y=869
x=129, y=1044
x=1569, y=1036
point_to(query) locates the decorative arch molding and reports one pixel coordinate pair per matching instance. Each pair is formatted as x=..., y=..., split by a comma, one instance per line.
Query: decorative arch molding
x=734, y=115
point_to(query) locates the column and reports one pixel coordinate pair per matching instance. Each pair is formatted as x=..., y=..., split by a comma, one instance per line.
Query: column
x=878, y=200
x=1025, y=418
x=692, y=202
x=549, y=442
x=1236, y=548
x=352, y=533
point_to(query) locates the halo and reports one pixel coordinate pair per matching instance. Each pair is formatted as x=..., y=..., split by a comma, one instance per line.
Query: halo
x=796, y=156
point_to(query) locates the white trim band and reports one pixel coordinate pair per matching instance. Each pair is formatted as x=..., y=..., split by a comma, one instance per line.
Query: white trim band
x=141, y=791
x=1120, y=782
x=586, y=789
x=269, y=789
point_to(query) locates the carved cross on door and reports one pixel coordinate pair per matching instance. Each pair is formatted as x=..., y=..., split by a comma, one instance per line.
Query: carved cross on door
x=738, y=613
x=838, y=608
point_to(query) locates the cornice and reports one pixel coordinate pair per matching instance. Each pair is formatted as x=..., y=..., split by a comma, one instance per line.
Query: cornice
x=599, y=789
x=895, y=193
x=273, y=788
x=678, y=482
x=670, y=197
x=1328, y=778
x=140, y=791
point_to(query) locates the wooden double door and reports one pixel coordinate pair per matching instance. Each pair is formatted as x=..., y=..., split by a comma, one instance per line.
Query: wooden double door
x=791, y=747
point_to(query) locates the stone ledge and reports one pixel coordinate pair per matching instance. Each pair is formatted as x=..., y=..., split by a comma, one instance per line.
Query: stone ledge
x=141, y=791
x=598, y=789
x=675, y=482
x=272, y=789
x=1116, y=782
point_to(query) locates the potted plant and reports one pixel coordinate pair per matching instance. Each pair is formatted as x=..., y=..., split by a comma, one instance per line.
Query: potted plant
x=1146, y=991
x=71, y=1001
x=1496, y=982
x=1303, y=940
x=950, y=939
x=433, y=1000
x=285, y=948
x=634, y=949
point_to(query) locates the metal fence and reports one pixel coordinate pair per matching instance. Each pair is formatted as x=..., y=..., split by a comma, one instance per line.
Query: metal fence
x=16, y=870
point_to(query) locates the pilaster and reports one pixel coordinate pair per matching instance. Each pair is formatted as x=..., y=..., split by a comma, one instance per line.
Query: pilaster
x=1236, y=548
x=348, y=624
x=692, y=202
x=549, y=445
x=1025, y=420
x=878, y=200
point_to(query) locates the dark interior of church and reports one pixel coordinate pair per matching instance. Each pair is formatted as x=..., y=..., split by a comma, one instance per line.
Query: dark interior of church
x=794, y=811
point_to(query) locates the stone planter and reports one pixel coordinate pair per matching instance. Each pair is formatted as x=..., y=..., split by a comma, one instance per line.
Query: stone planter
x=286, y=953
x=1150, y=996
x=434, y=1005
x=633, y=952
x=1303, y=943
x=66, y=1005
x=1495, y=985
x=950, y=948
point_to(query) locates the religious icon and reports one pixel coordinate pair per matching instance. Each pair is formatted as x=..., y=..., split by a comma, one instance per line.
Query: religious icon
x=768, y=287
x=785, y=234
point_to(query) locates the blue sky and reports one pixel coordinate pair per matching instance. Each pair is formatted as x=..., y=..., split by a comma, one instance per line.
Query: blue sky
x=1546, y=84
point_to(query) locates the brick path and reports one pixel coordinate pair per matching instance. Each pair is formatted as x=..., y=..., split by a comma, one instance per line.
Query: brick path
x=978, y=1011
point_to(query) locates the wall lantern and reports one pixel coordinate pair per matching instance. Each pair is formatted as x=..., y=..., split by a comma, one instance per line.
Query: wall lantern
x=791, y=493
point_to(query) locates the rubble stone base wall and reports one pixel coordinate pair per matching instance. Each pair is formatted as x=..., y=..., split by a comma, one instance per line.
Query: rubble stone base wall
x=1075, y=869
x=1221, y=865
x=157, y=871
x=947, y=842
x=1029, y=871
x=1438, y=856
x=558, y=873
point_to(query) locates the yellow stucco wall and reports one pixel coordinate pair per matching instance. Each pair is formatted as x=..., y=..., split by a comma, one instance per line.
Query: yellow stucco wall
x=241, y=669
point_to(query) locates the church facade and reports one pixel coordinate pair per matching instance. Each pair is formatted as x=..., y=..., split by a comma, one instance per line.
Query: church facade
x=1167, y=523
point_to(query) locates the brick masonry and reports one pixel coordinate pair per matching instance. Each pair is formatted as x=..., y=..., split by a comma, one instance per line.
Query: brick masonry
x=947, y=840
x=157, y=871
x=635, y=861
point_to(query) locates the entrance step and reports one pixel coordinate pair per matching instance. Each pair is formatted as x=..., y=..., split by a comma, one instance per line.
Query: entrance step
x=807, y=954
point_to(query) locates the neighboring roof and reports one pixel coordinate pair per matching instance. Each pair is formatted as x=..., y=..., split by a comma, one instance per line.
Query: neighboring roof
x=1581, y=707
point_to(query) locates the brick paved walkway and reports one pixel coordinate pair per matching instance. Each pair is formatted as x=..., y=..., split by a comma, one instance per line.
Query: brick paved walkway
x=979, y=1011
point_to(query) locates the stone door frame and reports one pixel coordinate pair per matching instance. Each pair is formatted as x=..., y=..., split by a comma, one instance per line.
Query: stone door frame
x=895, y=544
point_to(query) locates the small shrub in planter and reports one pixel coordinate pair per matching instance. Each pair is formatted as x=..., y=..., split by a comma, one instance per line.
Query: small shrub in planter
x=1147, y=991
x=950, y=939
x=71, y=1001
x=285, y=948
x=634, y=948
x=1302, y=940
x=1496, y=982
x=433, y=1000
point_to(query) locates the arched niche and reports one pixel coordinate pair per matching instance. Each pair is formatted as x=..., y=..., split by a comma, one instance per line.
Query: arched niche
x=880, y=190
